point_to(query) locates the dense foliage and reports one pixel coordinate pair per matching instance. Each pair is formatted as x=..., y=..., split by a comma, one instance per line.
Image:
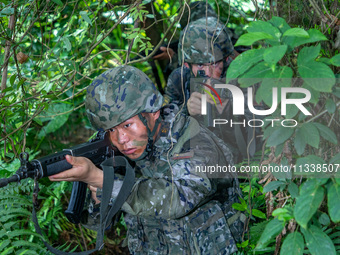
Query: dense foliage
x=51, y=51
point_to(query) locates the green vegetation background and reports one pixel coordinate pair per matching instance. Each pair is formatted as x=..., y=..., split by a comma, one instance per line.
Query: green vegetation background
x=50, y=51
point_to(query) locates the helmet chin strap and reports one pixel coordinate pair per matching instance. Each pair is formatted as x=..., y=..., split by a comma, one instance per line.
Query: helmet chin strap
x=149, y=146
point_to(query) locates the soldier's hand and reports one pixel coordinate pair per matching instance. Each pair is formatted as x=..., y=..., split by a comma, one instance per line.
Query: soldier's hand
x=83, y=170
x=220, y=108
x=166, y=54
x=194, y=103
x=94, y=193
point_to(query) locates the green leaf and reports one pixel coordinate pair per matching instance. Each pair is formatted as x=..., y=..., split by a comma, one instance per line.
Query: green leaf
x=273, y=54
x=279, y=23
x=326, y=133
x=280, y=135
x=239, y=207
x=12, y=79
x=314, y=36
x=335, y=61
x=335, y=159
x=273, y=228
x=308, y=54
x=299, y=142
x=324, y=219
x=266, y=27
x=83, y=14
x=310, y=134
x=7, y=11
x=284, y=214
x=244, y=62
x=307, y=203
x=250, y=38
x=293, y=244
x=297, y=32
x=258, y=213
x=330, y=105
x=293, y=190
x=67, y=43
x=333, y=198
x=280, y=78
x=311, y=166
x=273, y=186
x=59, y=2
x=254, y=74
x=57, y=114
x=317, y=75
x=318, y=242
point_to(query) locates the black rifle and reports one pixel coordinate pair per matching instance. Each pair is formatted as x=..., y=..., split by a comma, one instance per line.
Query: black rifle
x=97, y=150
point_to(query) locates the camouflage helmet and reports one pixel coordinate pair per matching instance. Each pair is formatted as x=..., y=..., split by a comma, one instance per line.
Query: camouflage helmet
x=205, y=40
x=119, y=94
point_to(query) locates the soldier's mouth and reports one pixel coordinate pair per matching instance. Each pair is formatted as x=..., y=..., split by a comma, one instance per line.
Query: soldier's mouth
x=129, y=151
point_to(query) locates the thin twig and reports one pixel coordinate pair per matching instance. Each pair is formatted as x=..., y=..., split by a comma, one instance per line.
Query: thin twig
x=11, y=25
x=321, y=113
x=109, y=32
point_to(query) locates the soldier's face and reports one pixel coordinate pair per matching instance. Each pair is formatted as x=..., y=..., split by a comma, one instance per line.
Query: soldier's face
x=211, y=70
x=131, y=137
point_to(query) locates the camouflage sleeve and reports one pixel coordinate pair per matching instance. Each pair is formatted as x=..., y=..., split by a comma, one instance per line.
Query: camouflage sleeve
x=176, y=192
x=173, y=90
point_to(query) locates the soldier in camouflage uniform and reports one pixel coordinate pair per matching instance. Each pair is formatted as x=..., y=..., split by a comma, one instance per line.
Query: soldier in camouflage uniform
x=172, y=208
x=206, y=51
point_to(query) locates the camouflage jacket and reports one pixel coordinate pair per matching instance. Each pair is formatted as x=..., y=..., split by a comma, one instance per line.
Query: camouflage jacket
x=175, y=207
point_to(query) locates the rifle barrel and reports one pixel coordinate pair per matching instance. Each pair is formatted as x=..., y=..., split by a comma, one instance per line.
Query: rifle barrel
x=5, y=181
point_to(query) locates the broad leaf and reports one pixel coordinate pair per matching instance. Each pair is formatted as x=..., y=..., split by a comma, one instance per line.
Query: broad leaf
x=280, y=78
x=273, y=54
x=333, y=197
x=330, y=105
x=258, y=213
x=308, y=54
x=307, y=203
x=273, y=228
x=326, y=132
x=299, y=142
x=297, y=32
x=317, y=75
x=293, y=244
x=335, y=61
x=59, y=2
x=318, y=242
x=314, y=36
x=280, y=135
x=310, y=134
x=250, y=38
x=273, y=186
x=266, y=27
x=84, y=15
x=254, y=75
x=244, y=62
x=293, y=190
x=279, y=23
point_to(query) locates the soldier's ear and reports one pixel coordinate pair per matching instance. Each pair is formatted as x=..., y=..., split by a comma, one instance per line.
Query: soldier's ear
x=155, y=115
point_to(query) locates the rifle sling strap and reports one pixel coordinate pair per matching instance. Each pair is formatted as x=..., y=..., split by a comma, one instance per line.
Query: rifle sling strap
x=106, y=212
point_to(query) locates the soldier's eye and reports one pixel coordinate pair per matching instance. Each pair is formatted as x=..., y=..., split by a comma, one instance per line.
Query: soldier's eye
x=127, y=125
x=111, y=129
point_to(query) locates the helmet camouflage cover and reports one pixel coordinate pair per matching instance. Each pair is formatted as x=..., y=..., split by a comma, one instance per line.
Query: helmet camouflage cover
x=205, y=40
x=119, y=94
